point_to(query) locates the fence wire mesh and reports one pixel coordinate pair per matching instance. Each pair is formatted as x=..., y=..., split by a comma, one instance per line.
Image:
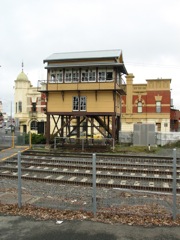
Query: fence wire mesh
x=73, y=197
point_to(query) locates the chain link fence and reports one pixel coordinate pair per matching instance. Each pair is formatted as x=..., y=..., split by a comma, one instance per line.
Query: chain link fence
x=10, y=139
x=115, y=201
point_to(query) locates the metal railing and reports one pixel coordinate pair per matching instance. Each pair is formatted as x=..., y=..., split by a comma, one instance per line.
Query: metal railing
x=83, y=142
x=112, y=201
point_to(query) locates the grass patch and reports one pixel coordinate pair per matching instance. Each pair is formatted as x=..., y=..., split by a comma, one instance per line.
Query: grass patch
x=135, y=149
x=172, y=145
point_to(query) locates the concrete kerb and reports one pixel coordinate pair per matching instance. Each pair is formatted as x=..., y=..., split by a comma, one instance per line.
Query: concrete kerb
x=11, y=152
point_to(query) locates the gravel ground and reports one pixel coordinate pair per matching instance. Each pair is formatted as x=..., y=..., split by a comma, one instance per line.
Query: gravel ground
x=135, y=205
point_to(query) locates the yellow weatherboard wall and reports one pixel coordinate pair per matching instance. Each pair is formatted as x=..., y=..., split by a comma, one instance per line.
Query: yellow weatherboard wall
x=96, y=102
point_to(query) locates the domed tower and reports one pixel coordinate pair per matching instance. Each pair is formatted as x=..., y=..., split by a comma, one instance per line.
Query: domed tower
x=21, y=88
x=29, y=105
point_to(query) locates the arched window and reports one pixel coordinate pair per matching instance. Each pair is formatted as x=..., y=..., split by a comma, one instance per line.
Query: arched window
x=33, y=125
x=139, y=107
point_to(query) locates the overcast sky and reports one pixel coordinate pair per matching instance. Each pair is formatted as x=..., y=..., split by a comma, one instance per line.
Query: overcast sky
x=147, y=32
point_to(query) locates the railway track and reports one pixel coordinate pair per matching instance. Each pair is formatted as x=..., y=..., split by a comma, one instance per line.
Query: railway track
x=112, y=171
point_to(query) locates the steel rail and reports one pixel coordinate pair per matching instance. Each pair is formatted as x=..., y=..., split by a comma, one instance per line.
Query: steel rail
x=98, y=162
x=100, y=185
x=89, y=155
x=99, y=168
x=98, y=175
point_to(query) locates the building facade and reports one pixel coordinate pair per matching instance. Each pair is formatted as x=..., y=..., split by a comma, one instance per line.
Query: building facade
x=147, y=103
x=175, y=120
x=29, y=106
x=83, y=91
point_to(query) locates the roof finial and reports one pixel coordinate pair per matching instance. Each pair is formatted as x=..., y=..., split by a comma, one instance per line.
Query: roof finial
x=22, y=66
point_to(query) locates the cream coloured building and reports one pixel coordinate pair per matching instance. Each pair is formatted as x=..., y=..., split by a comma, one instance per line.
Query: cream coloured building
x=29, y=106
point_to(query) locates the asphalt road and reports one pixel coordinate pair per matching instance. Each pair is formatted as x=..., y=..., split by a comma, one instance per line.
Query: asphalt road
x=22, y=228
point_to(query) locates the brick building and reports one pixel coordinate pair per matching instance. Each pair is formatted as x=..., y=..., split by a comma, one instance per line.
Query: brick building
x=146, y=103
x=175, y=120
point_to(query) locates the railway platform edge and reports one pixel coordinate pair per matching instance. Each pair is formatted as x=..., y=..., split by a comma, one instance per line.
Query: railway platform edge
x=11, y=152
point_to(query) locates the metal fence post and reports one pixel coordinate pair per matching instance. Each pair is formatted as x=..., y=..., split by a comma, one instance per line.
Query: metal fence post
x=19, y=180
x=94, y=184
x=174, y=184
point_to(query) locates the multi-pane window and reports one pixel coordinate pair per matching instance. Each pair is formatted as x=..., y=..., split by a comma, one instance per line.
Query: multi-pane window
x=20, y=107
x=75, y=76
x=53, y=77
x=102, y=76
x=88, y=75
x=92, y=76
x=68, y=76
x=56, y=77
x=158, y=106
x=84, y=76
x=79, y=103
x=33, y=125
x=75, y=103
x=139, y=107
x=105, y=75
x=59, y=77
x=82, y=103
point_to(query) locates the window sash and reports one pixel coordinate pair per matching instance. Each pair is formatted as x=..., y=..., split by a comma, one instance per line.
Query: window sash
x=75, y=76
x=79, y=103
x=139, y=107
x=101, y=76
x=158, y=107
x=59, y=77
x=20, y=107
x=34, y=125
x=84, y=76
x=75, y=103
x=68, y=76
x=92, y=76
x=82, y=103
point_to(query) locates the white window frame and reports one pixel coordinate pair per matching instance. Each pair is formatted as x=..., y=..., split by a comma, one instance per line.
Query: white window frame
x=83, y=103
x=79, y=103
x=52, y=77
x=75, y=75
x=84, y=75
x=158, y=106
x=139, y=107
x=92, y=75
x=68, y=76
x=59, y=76
x=75, y=103
x=101, y=75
